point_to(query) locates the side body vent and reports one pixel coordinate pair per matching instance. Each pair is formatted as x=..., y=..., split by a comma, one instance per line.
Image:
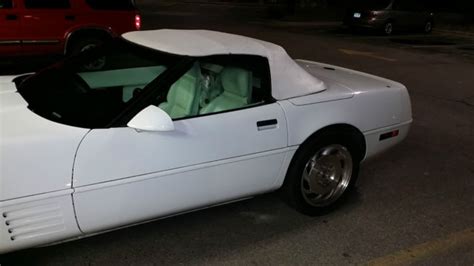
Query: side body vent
x=33, y=222
x=37, y=220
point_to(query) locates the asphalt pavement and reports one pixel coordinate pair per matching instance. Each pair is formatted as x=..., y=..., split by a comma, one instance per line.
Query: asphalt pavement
x=413, y=204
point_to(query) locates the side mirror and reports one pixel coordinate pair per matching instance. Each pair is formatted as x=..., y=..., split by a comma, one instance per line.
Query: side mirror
x=152, y=118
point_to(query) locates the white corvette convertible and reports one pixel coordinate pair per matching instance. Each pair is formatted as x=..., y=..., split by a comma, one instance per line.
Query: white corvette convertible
x=163, y=122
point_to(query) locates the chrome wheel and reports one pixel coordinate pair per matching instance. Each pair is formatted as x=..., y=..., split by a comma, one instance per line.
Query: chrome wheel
x=88, y=47
x=97, y=64
x=428, y=27
x=326, y=175
x=388, y=28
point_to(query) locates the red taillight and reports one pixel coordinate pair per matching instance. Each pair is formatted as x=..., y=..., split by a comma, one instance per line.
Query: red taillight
x=388, y=135
x=138, y=22
x=373, y=14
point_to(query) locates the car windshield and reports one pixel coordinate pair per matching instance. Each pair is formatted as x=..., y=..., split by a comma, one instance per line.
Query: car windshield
x=372, y=4
x=91, y=89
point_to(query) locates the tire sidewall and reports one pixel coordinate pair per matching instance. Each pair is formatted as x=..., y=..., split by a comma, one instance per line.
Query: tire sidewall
x=78, y=47
x=385, y=28
x=426, y=30
x=292, y=185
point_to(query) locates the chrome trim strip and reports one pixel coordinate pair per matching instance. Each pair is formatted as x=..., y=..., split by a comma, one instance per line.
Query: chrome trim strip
x=40, y=41
x=10, y=42
x=159, y=174
x=37, y=197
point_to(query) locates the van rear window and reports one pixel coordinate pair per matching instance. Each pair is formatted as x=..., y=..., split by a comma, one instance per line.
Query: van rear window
x=112, y=4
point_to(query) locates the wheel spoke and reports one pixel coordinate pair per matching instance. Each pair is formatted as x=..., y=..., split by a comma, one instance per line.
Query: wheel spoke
x=326, y=175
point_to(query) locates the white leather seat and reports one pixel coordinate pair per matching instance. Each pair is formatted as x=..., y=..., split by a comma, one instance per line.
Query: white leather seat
x=237, y=91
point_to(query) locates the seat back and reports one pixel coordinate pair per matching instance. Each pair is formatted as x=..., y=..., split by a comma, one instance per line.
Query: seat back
x=184, y=95
x=237, y=91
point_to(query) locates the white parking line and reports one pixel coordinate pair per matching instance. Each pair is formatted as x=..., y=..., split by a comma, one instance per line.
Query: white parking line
x=427, y=250
x=367, y=54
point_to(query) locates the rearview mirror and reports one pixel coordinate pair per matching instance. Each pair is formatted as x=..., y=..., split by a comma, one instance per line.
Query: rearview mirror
x=152, y=118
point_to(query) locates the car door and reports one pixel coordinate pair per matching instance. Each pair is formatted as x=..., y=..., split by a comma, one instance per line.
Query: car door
x=405, y=15
x=229, y=142
x=420, y=14
x=10, y=31
x=45, y=23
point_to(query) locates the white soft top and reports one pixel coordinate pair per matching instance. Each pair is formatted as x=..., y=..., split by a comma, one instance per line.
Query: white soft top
x=288, y=78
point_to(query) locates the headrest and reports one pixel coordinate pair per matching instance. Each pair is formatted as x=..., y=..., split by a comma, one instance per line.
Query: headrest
x=236, y=81
x=190, y=80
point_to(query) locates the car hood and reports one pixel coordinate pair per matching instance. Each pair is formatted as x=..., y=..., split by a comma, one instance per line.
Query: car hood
x=36, y=155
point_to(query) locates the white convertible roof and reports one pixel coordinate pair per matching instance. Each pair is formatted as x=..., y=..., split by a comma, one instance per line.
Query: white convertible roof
x=288, y=78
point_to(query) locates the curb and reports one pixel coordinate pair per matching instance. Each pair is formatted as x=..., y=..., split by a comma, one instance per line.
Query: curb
x=455, y=32
x=282, y=23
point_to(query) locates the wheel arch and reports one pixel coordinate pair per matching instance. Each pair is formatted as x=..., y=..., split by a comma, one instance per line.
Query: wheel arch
x=357, y=140
x=389, y=20
x=353, y=133
x=76, y=34
x=431, y=19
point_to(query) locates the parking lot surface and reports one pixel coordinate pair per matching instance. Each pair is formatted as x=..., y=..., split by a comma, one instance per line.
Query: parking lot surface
x=414, y=204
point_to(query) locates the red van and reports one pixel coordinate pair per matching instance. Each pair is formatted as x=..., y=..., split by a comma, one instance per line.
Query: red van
x=34, y=27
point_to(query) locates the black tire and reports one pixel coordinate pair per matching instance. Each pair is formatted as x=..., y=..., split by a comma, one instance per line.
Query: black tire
x=83, y=44
x=428, y=27
x=293, y=186
x=388, y=28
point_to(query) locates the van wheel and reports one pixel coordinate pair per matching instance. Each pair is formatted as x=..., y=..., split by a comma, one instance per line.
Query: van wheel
x=388, y=28
x=85, y=44
x=428, y=27
x=321, y=174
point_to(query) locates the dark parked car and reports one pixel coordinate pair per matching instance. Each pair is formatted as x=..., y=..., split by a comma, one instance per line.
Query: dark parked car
x=390, y=15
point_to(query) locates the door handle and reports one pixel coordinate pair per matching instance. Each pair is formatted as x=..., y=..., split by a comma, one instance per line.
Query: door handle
x=70, y=17
x=11, y=17
x=267, y=124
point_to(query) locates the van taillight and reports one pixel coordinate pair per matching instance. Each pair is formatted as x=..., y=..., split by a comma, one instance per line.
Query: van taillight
x=138, y=22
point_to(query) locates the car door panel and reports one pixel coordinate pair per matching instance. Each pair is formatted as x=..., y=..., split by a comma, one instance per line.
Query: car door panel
x=147, y=197
x=45, y=28
x=204, y=161
x=110, y=154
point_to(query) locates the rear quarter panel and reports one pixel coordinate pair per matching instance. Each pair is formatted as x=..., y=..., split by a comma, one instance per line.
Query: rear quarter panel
x=365, y=112
x=371, y=104
x=372, y=114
